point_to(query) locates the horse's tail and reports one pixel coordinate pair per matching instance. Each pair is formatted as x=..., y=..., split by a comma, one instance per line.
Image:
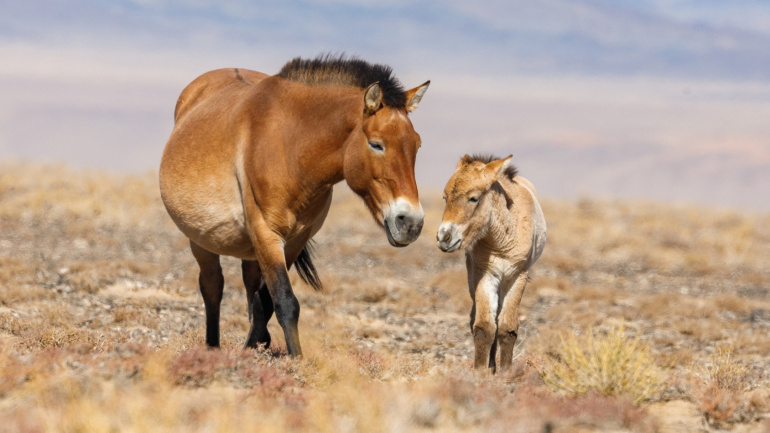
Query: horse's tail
x=306, y=268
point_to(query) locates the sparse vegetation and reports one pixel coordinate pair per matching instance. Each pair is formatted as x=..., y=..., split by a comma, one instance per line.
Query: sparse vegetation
x=611, y=364
x=102, y=327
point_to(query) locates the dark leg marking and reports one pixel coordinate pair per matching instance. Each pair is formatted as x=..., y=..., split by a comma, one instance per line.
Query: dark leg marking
x=252, y=279
x=212, y=284
x=286, y=308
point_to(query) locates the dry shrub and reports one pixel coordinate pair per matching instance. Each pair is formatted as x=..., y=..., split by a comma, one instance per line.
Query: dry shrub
x=723, y=392
x=537, y=411
x=199, y=366
x=63, y=337
x=612, y=364
x=723, y=370
x=370, y=364
x=202, y=366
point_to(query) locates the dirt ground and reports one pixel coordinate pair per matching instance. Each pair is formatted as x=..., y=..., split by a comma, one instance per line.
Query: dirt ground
x=102, y=326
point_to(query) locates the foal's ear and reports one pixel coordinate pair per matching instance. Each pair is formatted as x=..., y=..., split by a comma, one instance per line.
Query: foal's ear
x=497, y=168
x=414, y=96
x=372, y=98
x=463, y=161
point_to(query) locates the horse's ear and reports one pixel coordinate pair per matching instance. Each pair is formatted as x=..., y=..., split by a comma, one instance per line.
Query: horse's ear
x=372, y=98
x=463, y=161
x=414, y=96
x=497, y=168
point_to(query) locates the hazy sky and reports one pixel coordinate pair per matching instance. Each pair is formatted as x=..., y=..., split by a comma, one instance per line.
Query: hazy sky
x=589, y=96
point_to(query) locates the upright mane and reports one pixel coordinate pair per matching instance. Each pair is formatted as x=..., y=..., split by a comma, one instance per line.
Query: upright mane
x=331, y=69
x=510, y=172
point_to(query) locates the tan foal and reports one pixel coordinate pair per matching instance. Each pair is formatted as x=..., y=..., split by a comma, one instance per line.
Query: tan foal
x=494, y=214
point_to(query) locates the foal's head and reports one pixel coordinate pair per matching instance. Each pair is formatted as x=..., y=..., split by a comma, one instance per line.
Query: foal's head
x=379, y=163
x=468, y=211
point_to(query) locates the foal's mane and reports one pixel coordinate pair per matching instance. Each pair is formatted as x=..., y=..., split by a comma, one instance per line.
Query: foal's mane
x=486, y=158
x=338, y=69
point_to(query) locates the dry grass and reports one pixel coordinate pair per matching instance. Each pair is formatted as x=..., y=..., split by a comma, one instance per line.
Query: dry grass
x=101, y=323
x=610, y=364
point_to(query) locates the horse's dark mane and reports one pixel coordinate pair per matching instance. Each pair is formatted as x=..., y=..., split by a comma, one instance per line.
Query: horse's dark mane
x=486, y=158
x=338, y=69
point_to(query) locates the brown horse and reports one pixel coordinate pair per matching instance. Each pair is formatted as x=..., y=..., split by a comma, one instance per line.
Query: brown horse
x=249, y=168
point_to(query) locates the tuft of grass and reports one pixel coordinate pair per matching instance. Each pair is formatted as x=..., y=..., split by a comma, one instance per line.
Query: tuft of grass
x=723, y=392
x=723, y=370
x=612, y=364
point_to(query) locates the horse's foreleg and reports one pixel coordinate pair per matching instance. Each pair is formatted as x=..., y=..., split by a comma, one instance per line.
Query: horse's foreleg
x=286, y=306
x=212, y=283
x=260, y=311
x=508, y=322
x=270, y=251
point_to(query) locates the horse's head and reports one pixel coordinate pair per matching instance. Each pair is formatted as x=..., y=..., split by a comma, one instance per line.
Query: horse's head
x=379, y=164
x=467, y=210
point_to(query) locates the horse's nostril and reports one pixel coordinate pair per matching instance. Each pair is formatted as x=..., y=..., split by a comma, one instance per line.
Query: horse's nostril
x=400, y=222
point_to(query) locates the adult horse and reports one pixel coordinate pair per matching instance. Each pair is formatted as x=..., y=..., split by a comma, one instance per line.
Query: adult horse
x=249, y=168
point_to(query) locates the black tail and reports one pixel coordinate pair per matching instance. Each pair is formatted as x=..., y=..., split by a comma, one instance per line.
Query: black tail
x=306, y=269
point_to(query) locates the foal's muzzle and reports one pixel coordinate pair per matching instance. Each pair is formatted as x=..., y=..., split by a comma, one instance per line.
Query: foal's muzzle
x=449, y=237
x=403, y=222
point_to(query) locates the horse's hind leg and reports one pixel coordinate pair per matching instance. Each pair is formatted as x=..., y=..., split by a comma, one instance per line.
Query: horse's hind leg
x=212, y=283
x=260, y=311
x=508, y=321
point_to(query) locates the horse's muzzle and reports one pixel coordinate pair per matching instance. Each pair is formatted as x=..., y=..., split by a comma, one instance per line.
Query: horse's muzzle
x=448, y=237
x=403, y=223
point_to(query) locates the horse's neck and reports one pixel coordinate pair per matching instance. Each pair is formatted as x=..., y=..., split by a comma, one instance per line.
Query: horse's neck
x=321, y=159
x=501, y=226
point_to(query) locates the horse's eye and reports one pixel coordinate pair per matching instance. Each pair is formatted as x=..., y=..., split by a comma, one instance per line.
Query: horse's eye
x=473, y=199
x=377, y=147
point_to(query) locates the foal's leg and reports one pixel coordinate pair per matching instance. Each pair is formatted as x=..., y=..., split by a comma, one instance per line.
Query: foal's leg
x=508, y=322
x=484, y=327
x=212, y=283
x=493, y=356
x=260, y=311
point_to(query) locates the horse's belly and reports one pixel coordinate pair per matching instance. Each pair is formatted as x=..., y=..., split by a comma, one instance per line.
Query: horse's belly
x=216, y=222
x=220, y=232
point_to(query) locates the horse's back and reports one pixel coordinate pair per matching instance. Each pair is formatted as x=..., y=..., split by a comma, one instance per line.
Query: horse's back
x=531, y=226
x=214, y=83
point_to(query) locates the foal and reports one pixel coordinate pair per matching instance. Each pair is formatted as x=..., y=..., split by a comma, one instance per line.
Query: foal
x=495, y=216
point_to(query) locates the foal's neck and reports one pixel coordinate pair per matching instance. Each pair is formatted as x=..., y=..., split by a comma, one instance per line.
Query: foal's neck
x=501, y=228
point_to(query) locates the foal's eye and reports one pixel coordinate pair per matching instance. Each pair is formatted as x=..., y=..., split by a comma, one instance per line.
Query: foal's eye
x=473, y=200
x=376, y=146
